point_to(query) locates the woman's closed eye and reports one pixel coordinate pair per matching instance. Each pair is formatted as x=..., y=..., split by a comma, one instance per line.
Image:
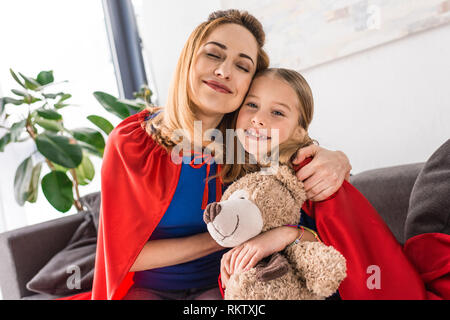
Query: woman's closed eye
x=218, y=57
x=243, y=68
x=212, y=55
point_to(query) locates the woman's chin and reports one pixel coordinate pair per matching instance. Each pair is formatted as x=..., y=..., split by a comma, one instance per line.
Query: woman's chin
x=212, y=104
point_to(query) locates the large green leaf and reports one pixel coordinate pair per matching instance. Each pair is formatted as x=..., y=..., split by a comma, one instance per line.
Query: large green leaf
x=85, y=171
x=57, y=188
x=45, y=77
x=89, y=136
x=102, y=123
x=59, y=149
x=26, y=181
x=133, y=104
x=49, y=114
x=52, y=125
x=111, y=104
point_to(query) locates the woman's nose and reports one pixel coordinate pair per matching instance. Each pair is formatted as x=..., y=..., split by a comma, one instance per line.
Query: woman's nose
x=211, y=212
x=223, y=71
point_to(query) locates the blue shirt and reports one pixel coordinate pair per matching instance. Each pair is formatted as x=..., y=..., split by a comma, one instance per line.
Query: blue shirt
x=184, y=217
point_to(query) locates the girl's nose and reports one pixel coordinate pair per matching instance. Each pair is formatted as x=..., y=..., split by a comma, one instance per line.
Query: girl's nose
x=258, y=121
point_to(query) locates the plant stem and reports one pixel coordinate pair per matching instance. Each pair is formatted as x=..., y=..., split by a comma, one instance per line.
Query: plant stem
x=76, y=201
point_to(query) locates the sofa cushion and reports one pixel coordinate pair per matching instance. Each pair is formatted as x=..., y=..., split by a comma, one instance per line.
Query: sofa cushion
x=92, y=204
x=429, y=205
x=71, y=270
x=388, y=190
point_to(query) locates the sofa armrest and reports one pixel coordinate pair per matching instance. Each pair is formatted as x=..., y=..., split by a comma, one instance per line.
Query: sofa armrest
x=24, y=251
x=388, y=190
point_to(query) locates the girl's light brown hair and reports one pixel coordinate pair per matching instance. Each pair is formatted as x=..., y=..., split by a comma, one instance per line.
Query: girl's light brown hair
x=179, y=112
x=289, y=148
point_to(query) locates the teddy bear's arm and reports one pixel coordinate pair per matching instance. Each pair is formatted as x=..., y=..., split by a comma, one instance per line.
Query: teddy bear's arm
x=322, y=267
x=271, y=268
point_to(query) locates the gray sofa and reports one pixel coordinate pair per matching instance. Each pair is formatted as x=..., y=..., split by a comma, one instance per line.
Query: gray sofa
x=24, y=251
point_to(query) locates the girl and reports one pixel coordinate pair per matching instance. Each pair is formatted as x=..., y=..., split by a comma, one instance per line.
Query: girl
x=152, y=241
x=280, y=101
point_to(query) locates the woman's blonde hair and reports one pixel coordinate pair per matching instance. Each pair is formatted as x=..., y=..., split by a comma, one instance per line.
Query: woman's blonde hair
x=288, y=149
x=179, y=112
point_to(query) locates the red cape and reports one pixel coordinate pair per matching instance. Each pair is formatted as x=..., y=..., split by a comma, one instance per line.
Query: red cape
x=349, y=223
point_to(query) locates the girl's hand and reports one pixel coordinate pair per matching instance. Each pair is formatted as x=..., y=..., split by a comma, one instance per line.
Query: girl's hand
x=325, y=174
x=248, y=254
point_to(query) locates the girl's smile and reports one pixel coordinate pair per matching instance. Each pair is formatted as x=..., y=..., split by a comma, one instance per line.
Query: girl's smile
x=257, y=134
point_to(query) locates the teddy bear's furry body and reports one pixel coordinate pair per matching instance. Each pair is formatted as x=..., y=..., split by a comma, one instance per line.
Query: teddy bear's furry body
x=259, y=202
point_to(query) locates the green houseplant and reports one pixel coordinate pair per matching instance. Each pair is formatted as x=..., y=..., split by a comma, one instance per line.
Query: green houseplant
x=65, y=151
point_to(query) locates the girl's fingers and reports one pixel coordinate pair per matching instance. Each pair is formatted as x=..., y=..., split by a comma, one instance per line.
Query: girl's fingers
x=224, y=276
x=245, y=260
x=253, y=262
x=225, y=263
x=242, y=254
x=234, y=254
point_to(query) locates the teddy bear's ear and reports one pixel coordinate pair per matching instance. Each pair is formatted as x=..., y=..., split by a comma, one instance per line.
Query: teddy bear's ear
x=289, y=180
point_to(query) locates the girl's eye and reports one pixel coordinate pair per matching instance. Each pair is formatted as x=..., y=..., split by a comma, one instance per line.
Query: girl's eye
x=252, y=105
x=278, y=113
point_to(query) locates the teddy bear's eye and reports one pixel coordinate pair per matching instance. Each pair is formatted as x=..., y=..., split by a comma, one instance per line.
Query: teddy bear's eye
x=241, y=197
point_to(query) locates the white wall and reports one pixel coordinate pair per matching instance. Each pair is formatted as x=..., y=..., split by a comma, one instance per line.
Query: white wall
x=388, y=105
x=385, y=106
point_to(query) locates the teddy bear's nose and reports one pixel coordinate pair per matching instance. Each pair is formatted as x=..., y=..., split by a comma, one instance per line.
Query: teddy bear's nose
x=211, y=212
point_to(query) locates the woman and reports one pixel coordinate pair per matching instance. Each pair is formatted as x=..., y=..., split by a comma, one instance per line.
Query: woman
x=151, y=231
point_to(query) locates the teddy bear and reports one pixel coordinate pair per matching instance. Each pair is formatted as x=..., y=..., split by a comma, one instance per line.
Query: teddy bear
x=261, y=201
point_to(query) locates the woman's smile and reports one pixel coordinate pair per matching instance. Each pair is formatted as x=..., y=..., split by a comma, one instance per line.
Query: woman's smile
x=217, y=86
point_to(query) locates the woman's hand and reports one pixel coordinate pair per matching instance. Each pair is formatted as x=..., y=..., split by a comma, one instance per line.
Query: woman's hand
x=325, y=174
x=248, y=254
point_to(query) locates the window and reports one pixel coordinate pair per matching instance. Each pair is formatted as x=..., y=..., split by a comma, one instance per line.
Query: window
x=70, y=38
